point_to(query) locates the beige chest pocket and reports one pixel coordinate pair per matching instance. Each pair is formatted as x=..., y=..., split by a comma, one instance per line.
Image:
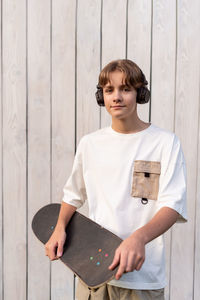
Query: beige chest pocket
x=146, y=179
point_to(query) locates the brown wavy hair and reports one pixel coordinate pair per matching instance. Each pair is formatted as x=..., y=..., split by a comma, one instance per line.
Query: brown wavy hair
x=133, y=74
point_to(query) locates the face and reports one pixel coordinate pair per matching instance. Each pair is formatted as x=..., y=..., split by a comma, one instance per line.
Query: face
x=119, y=99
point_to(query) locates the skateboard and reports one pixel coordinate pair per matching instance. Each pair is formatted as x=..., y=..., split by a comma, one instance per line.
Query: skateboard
x=89, y=248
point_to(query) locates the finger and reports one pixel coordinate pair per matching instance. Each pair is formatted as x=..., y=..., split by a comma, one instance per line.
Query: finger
x=139, y=265
x=115, y=261
x=52, y=252
x=60, y=249
x=122, y=266
x=130, y=263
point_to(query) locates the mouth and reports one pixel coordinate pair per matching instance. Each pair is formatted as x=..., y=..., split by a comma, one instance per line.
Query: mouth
x=117, y=106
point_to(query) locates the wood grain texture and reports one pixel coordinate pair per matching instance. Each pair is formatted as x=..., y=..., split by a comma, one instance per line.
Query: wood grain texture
x=88, y=62
x=14, y=149
x=88, y=65
x=63, y=121
x=197, y=223
x=139, y=37
x=163, y=83
x=113, y=39
x=39, y=140
x=186, y=128
x=1, y=167
x=163, y=63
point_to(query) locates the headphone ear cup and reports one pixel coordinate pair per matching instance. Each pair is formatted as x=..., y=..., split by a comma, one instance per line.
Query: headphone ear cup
x=99, y=96
x=143, y=95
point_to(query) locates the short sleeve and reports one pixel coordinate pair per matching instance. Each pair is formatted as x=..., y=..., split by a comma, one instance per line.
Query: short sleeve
x=74, y=189
x=173, y=182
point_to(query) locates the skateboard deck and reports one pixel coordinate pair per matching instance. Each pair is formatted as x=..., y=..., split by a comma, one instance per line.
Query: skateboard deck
x=89, y=248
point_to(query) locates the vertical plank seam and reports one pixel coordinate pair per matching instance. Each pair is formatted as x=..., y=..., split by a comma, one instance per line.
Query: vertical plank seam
x=50, y=146
x=74, y=287
x=170, y=264
x=27, y=220
x=175, y=85
x=2, y=207
x=176, y=54
x=196, y=199
x=126, y=50
x=151, y=57
x=101, y=20
x=75, y=103
x=75, y=81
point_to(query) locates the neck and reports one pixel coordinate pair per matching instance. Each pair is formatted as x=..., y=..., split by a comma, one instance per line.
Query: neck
x=129, y=126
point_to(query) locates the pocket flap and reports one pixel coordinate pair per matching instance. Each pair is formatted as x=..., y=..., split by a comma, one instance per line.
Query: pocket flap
x=147, y=166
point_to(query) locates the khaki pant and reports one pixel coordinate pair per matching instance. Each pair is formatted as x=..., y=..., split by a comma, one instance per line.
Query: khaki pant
x=109, y=292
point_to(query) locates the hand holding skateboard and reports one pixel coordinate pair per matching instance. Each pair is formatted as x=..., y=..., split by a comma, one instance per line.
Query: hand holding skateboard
x=54, y=246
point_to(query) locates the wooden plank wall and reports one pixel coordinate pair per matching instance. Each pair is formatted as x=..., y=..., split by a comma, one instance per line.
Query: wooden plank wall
x=14, y=150
x=51, y=55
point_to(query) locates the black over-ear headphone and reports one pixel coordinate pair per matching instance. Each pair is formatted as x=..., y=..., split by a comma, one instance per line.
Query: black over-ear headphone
x=143, y=93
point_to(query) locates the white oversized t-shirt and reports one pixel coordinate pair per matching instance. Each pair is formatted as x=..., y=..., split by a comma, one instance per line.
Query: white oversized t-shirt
x=103, y=173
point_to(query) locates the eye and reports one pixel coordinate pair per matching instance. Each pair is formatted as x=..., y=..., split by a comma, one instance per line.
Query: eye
x=108, y=90
x=127, y=89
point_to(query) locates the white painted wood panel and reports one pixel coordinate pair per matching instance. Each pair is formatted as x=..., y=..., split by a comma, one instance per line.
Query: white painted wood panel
x=87, y=69
x=14, y=149
x=139, y=43
x=163, y=82
x=113, y=39
x=186, y=127
x=197, y=225
x=39, y=140
x=163, y=63
x=1, y=166
x=63, y=122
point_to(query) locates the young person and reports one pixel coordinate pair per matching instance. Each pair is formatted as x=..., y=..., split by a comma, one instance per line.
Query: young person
x=133, y=175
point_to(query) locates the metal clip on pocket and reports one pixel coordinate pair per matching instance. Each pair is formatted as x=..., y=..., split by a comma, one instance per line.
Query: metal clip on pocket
x=144, y=200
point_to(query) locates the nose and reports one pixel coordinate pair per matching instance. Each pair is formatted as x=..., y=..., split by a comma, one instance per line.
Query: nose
x=117, y=97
